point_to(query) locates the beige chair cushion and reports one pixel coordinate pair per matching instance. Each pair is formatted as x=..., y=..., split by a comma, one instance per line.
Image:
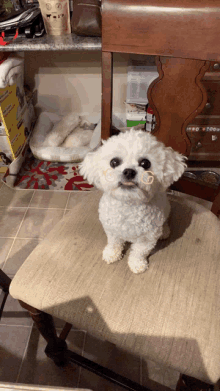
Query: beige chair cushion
x=169, y=314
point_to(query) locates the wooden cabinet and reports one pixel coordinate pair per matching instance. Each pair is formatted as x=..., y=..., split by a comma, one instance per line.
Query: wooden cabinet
x=205, y=145
x=204, y=132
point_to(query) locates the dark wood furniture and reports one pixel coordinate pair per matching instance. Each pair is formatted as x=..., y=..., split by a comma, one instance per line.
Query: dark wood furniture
x=4, y=286
x=182, y=30
x=183, y=36
x=204, y=131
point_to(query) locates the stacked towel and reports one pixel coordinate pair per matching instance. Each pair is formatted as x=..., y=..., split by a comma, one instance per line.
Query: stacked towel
x=10, y=69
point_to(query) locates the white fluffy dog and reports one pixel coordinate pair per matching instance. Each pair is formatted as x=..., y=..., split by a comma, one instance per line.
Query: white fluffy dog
x=133, y=170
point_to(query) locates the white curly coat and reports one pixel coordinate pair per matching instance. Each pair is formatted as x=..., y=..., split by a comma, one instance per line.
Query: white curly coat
x=134, y=171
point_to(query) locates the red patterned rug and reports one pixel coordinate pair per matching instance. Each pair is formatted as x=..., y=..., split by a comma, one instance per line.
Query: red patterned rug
x=38, y=174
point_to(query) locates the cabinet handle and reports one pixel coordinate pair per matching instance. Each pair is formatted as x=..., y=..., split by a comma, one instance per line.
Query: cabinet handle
x=216, y=66
x=208, y=105
x=198, y=145
x=214, y=137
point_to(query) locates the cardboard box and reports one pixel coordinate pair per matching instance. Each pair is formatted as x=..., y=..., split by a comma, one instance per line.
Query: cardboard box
x=135, y=114
x=16, y=118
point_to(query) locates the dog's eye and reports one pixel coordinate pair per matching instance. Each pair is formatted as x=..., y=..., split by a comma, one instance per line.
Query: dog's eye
x=145, y=163
x=115, y=162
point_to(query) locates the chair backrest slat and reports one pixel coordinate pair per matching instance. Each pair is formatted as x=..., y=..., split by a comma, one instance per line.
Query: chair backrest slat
x=177, y=28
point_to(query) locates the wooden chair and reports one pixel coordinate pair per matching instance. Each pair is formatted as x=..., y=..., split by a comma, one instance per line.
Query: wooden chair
x=169, y=314
x=182, y=35
x=4, y=286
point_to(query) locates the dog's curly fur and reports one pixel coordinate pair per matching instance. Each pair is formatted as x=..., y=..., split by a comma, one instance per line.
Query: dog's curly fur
x=133, y=170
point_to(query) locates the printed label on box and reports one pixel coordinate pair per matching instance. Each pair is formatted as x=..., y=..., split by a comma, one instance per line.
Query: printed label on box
x=15, y=121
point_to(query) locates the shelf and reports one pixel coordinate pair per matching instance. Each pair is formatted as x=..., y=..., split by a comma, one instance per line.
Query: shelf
x=65, y=42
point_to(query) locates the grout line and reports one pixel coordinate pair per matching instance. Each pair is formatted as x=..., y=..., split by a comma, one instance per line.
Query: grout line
x=7, y=237
x=33, y=325
x=16, y=325
x=25, y=351
x=29, y=207
x=84, y=342
x=13, y=237
x=82, y=353
x=65, y=209
x=17, y=232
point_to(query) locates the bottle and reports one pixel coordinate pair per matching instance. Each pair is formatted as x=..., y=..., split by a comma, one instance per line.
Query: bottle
x=150, y=119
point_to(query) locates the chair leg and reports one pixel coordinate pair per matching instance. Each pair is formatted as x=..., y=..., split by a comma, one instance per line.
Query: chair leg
x=56, y=347
x=187, y=383
x=4, y=285
x=107, y=81
x=4, y=281
x=216, y=204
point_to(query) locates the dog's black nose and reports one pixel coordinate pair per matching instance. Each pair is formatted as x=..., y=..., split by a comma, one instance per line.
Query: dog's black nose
x=129, y=173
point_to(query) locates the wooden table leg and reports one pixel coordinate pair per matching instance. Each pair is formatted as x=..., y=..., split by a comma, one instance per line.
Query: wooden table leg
x=107, y=81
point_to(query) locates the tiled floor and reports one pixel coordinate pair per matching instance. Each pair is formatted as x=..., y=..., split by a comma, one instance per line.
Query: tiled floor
x=26, y=216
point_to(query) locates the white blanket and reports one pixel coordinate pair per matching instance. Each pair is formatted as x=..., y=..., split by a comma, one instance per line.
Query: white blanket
x=10, y=69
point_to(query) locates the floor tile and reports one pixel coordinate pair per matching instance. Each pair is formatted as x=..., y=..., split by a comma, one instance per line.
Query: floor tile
x=10, y=220
x=13, y=342
x=39, y=222
x=14, y=314
x=19, y=252
x=96, y=383
x=1, y=176
x=157, y=377
x=67, y=211
x=15, y=198
x=171, y=378
x=5, y=245
x=49, y=199
x=37, y=368
x=106, y=354
x=76, y=197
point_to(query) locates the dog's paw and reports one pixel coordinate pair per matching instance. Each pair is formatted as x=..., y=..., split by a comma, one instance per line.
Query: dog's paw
x=111, y=254
x=138, y=265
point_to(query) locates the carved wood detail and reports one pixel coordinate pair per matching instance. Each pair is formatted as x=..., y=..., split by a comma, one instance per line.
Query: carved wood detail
x=177, y=96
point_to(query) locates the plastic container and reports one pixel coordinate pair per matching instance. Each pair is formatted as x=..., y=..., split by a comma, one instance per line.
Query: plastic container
x=56, y=16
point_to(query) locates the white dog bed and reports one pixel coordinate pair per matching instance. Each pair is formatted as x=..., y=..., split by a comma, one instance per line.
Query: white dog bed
x=53, y=135
x=65, y=139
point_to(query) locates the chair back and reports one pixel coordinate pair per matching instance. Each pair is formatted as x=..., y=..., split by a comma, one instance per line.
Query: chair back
x=183, y=34
x=174, y=28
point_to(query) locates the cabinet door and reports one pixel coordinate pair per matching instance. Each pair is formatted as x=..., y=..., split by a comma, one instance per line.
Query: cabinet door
x=212, y=106
x=204, y=145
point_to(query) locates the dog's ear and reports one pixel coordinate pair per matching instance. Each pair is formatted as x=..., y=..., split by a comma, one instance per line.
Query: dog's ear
x=90, y=168
x=174, y=167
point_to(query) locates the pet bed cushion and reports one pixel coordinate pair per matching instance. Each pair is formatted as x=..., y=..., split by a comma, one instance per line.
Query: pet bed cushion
x=46, y=147
x=169, y=314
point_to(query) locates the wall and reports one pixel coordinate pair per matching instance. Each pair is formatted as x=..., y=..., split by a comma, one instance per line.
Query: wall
x=72, y=81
